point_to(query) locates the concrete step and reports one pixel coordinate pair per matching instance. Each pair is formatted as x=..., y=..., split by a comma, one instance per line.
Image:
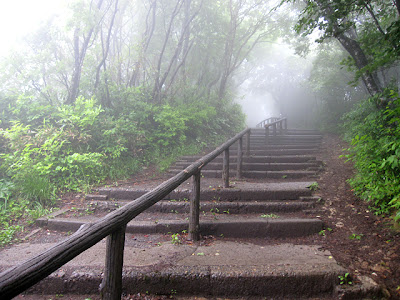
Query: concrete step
x=253, y=166
x=291, y=174
x=277, y=152
x=227, y=225
x=258, y=159
x=217, y=207
x=219, y=268
x=285, y=136
x=242, y=191
x=266, y=146
x=255, y=131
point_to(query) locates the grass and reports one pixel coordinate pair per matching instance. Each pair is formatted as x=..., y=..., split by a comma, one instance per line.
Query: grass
x=17, y=215
x=314, y=186
x=269, y=216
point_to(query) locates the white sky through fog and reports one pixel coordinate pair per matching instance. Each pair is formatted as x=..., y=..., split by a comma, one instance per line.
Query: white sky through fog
x=20, y=17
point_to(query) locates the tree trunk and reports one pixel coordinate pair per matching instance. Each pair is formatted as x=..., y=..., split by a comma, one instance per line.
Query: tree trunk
x=370, y=80
x=79, y=57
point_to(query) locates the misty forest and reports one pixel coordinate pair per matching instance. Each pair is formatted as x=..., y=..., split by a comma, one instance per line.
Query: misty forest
x=109, y=87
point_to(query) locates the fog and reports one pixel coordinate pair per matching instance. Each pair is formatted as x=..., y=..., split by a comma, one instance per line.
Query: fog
x=258, y=107
x=276, y=85
x=18, y=18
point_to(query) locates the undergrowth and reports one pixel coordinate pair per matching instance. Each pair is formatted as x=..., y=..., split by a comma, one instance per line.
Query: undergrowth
x=374, y=134
x=46, y=150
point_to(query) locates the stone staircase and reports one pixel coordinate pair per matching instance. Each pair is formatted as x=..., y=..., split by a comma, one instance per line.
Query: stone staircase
x=280, y=157
x=255, y=234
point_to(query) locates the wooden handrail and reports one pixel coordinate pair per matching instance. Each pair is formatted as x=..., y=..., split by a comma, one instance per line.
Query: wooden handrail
x=266, y=121
x=276, y=121
x=282, y=127
x=19, y=278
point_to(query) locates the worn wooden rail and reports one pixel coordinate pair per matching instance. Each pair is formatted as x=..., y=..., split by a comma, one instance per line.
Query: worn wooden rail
x=266, y=122
x=19, y=278
x=282, y=123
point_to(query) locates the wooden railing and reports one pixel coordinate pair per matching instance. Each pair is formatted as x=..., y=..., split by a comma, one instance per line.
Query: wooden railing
x=281, y=123
x=266, y=121
x=19, y=278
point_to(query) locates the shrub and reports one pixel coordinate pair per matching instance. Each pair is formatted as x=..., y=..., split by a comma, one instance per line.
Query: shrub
x=374, y=135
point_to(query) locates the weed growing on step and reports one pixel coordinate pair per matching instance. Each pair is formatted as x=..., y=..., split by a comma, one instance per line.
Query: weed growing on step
x=314, y=186
x=175, y=239
x=323, y=231
x=355, y=236
x=345, y=279
x=270, y=216
x=214, y=212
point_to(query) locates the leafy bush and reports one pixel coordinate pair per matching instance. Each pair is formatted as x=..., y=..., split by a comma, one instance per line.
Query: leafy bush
x=56, y=154
x=6, y=190
x=375, y=150
x=49, y=148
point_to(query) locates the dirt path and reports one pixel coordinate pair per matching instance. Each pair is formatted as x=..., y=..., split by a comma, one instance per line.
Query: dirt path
x=360, y=241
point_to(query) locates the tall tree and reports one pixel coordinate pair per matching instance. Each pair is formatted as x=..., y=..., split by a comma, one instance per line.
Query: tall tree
x=81, y=43
x=365, y=34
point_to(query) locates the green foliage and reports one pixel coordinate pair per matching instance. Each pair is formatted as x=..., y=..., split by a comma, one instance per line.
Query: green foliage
x=82, y=114
x=375, y=150
x=355, y=236
x=82, y=144
x=36, y=188
x=314, y=186
x=54, y=154
x=345, y=279
x=175, y=239
x=7, y=233
x=324, y=231
x=15, y=215
x=6, y=190
x=269, y=216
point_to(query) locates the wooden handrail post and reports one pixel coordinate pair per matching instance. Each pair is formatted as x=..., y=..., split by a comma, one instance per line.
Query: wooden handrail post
x=248, y=143
x=225, y=168
x=111, y=286
x=266, y=134
x=274, y=129
x=285, y=126
x=194, y=224
x=281, y=127
x=239, y=158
